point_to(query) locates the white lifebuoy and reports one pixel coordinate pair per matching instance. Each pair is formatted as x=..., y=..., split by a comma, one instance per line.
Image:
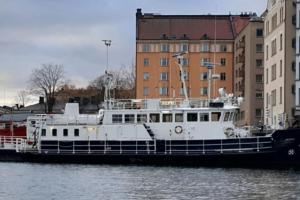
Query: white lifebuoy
x=178, y=129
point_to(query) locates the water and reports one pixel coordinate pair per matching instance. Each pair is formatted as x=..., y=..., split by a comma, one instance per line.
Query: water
x=20, y=181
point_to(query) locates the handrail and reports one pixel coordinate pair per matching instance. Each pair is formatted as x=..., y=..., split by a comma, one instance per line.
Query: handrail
x=238, y=145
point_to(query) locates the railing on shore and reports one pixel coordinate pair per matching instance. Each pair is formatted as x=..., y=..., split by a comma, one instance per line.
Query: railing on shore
x=9, y=142
x=238, y=145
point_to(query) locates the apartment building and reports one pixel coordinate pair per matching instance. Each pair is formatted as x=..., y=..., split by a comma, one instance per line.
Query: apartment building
x=206, y=38
x=279, y=75
x=297, y=113
x=249, y=72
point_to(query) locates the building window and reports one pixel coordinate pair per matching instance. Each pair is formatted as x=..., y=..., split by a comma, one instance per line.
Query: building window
x=281, y=15
x=164, y=76
x=223, y=61
x=259, y=63
x=274, y=21
x=273, y=47
x=205, y=62
x=65, y=132
x=280, y=69
x=186, y=75
x=205, y=47
x=146, y=47
x=280, y=95
x=164, y=62
x=273, y=72
x=223, y=48
x=259, y=32
x=116, y=119
x=43, y=133
x=163, y=91
x=204, y=76
x=273, y=97
x=76, y=132
x=259, y=78
x=184, y=47
x=146, y=76
x=146, y=62
x=294, y=19
x=293, y=89
x=129, y=118
x=164, y=47
x=258, y=112
x=267, y=27
x=54, y=132
x=203, y=91
x=294, y=43
x=185, y=62
x=259, y=94
x=280, y=42
x=267, y=76
x=146, y=91
x=223, y=77
x=267, y=52
x=293, y=66
x=259, y=48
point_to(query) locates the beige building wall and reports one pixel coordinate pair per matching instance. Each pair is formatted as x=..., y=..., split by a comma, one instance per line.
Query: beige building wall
x=248, y=72
x=279, y=61
x=149, y=68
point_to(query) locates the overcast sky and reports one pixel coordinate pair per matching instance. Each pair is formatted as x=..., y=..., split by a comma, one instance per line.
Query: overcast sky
x=70, y=32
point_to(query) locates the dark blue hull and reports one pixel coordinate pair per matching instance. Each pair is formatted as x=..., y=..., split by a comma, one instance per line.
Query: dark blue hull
x=280, y=150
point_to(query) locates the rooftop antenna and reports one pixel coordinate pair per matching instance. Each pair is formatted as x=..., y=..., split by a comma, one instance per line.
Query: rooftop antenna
x=179, y=57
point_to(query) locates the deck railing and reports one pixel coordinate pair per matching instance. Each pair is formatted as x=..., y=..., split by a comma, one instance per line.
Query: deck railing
x=238, y=145
x=9, y=142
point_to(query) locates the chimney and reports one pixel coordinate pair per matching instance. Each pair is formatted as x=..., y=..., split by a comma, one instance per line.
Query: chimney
x=138, y=16
x=41, y=101
x=138, y=13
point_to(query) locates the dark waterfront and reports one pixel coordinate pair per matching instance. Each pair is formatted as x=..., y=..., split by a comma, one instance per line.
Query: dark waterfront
x=36, y=181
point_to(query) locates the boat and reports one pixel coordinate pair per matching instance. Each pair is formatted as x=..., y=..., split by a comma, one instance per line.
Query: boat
x=157, y=131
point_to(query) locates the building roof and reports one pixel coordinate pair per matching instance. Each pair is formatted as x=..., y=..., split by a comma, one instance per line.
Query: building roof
x=190, y=27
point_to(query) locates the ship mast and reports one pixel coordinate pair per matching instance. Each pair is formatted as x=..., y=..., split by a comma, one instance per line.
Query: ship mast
x=179, y=57
x=108, y=78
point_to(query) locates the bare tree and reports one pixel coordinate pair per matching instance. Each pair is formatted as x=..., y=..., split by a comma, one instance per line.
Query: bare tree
x=123, y=82
x=22, y=97
x=46, y=81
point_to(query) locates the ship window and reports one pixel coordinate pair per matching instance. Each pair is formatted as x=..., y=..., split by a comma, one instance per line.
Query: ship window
x=141, y=118
x=192, y=117
x=116, y=119
x=129, y=118
x=215, y=116
x=43, y=134
x=231, y=116
x=204, y=117
x=54, y=132
x=65, y=132
x=226, y=117
x=167, y=117
x=178, y=117
x=154, y=118
x=76, y=132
